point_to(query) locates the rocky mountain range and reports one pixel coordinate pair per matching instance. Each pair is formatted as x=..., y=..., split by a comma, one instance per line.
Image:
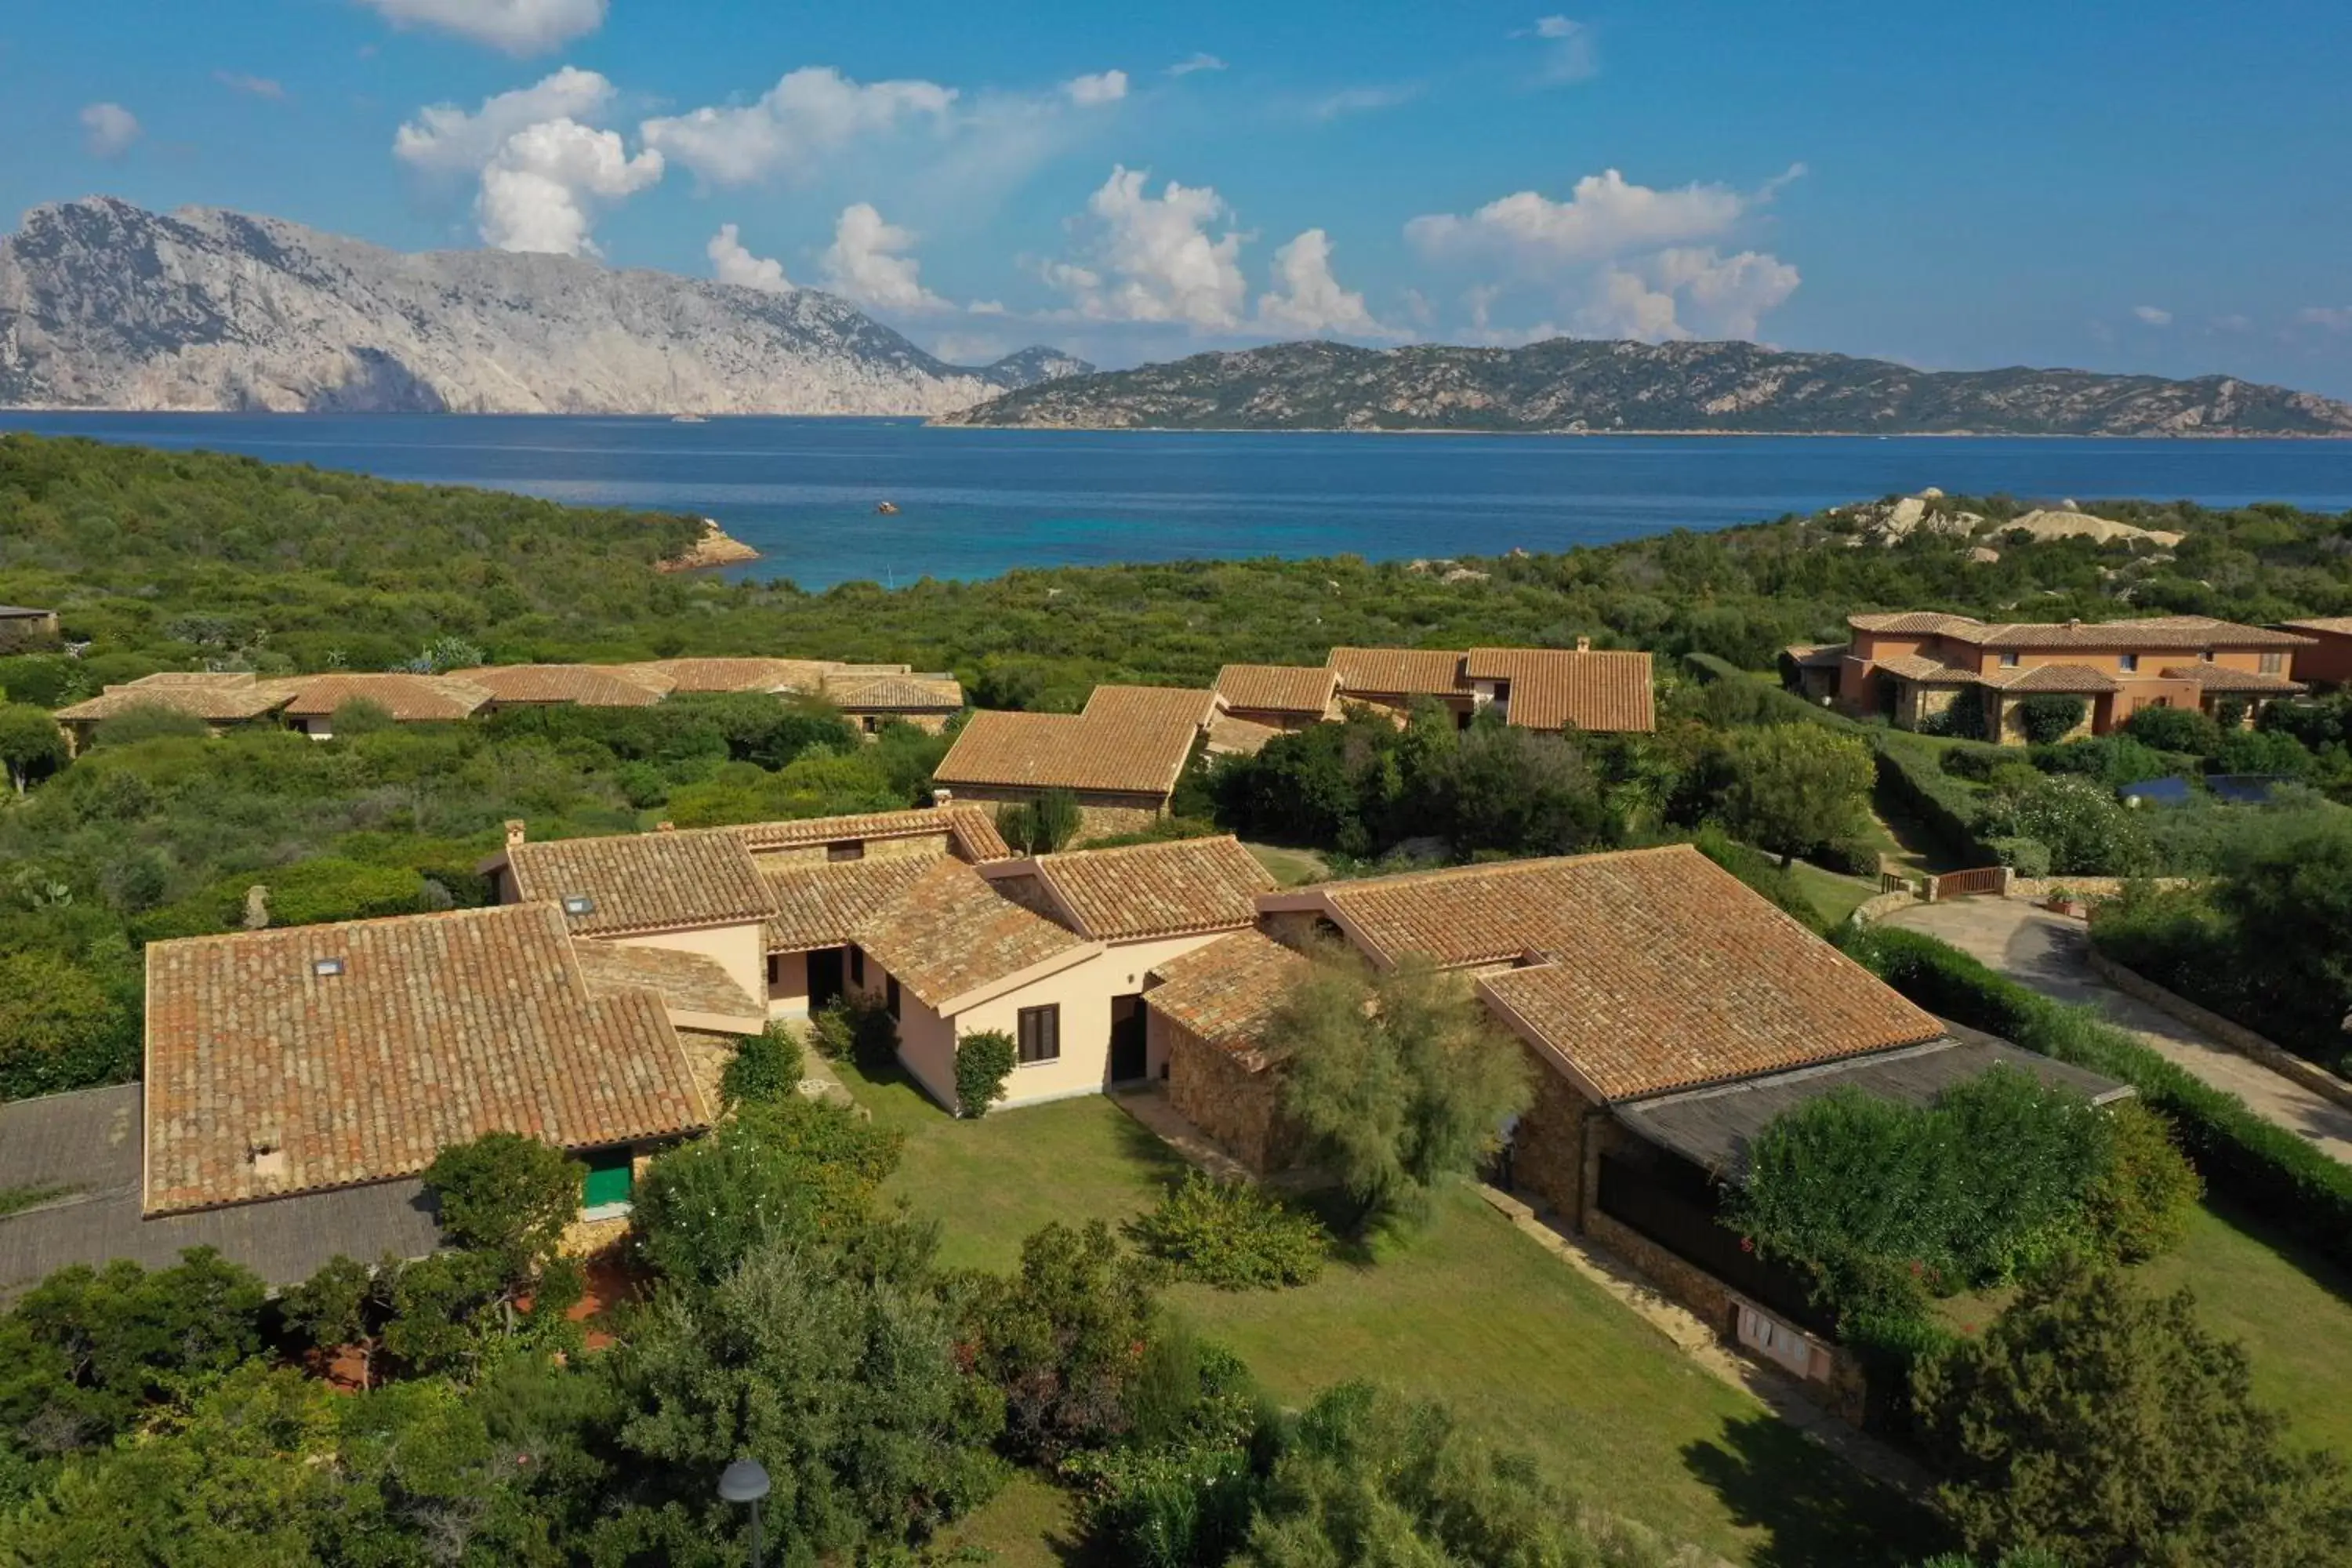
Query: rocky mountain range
x=105, y=305
x=1571, y=385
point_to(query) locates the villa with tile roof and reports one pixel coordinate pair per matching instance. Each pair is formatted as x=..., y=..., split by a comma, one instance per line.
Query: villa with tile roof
x=1547, y=688
x=23, y=623
x=1914, y=666
x=1119, y=757
x=2329, y=660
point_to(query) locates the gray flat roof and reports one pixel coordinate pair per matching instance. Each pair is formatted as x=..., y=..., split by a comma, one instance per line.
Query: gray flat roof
x=88, y=1144
x=1712, y=1126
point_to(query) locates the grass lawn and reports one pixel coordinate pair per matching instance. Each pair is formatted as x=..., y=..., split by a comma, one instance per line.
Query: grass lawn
x=2292, y=1311
x=1468, y=1309
x=1834, y=895
x=1291, y=867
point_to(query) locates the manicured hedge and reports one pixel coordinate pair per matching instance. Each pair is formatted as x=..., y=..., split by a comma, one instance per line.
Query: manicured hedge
x=1912, y=771
x=1783, y=702
x=2238, y=1154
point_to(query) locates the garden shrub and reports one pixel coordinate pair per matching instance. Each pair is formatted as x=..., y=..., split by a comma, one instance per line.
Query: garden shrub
x=765, y=1066
x=2026, y=857
x=2174, y=729
x=791, y=1168
x=1233, y=1234
x=1178, y=1491
x=857, y=1028
x=1975, y=1190
x=2240, y=1156
x=1061, y=1338
x=1775, y=704
x=2048, y=717
x=1854, y=857
x=1041, y=825
x=2139, y=1206
x=2088, y=832
x=984, y=1061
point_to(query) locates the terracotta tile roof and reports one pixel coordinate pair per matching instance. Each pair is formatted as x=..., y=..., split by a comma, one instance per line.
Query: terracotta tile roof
x=1397, y=671
x=1177, y=888
x=2215, y=677
x=1653, y=969
x=737, y=674
x=410, y=698
x=1551, y=689
x=216, y=698
x=1227, y=992
x=2326, y=625
x=823, y=906
x=1928, y=671
x=439, y=1028
x=1229, y=736
x=644, y=881
x=682, y=982
x=894, y=693
x=972, y=830
x=2060, y=678
x=1817, y=655
x=589, y=685
x=1130, y=740
x=1299, y=688
x=2145, y=632
x=949, y=932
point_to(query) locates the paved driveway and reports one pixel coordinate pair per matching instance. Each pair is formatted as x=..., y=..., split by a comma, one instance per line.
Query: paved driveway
x=2047, y=952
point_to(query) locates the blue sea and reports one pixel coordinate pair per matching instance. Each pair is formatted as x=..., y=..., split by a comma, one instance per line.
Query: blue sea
x=974, y=503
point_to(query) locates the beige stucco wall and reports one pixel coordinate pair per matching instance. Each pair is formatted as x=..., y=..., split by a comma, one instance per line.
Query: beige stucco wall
x=1083, y=992
x=741, y=950
x=787, y=992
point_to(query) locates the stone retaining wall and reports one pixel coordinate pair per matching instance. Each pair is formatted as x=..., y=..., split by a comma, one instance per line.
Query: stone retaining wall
x=2090, y=890
x=2237, y=1036
x=1884, y=905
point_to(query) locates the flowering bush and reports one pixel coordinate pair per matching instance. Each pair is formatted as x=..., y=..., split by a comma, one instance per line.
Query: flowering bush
x=1232, y=1235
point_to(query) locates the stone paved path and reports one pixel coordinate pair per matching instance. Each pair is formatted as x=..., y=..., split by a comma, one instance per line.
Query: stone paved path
x=2050, y=953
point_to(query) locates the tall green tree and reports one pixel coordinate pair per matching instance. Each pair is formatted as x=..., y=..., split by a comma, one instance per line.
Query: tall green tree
x=31, y=742
x=1398, y=1081
x=1796, y=785
x=2111, y=1428
x=507, y=1195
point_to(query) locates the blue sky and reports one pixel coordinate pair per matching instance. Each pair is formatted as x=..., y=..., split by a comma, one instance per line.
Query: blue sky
x=2159, y=186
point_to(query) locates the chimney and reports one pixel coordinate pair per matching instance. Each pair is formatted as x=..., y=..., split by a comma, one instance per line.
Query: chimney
x=941, y=798
x=666, y=827
x=1584, y=645
x=514, y=831
x=2073, y=623
x=257, y=908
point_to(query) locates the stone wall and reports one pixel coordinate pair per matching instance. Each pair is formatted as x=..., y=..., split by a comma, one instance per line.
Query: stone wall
x=910, y=847
x=2090, y=890
x=1679, y=1280
x=1100, y=815
x=2236, y=1036
x=1548, y=1145
x=1217, y=1092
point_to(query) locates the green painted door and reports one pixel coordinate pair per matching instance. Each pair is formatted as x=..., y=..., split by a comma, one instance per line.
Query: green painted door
x=609, y=1173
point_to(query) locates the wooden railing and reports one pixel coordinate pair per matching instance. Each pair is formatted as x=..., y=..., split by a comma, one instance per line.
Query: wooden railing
x=1987, y=880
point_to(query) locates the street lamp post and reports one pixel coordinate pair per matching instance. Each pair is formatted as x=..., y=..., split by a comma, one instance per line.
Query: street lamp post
x=746, y=1480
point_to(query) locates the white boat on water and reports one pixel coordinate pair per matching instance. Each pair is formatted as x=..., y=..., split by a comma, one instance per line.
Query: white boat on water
x=687, y=419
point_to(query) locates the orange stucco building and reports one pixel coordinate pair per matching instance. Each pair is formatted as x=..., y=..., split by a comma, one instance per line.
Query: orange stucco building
x=1913, y=666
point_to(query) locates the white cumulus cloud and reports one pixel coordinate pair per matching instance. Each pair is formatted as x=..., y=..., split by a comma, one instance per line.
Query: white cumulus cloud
x=1102, y=87
x=445, y=139
x=542, y=190
x=516, y=27
x=731, y=262
x=1153, y=259
x=2154, y=315
x=2329, y=318
x=807, y=113
x=1202, y=61
x=1605, y=215
x=254, y=86
x=108, y=130
x=1683, y=292
x=1307, y=298
x=867, y=263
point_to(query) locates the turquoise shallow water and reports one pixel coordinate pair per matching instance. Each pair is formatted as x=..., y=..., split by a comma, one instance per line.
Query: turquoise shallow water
x=973, y=503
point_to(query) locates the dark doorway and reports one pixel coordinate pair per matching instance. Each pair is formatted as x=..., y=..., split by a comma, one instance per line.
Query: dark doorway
x=824, y=978
x=1128, y=1058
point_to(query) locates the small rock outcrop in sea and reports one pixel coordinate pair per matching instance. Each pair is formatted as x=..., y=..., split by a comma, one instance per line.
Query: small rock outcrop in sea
x=715, y=548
